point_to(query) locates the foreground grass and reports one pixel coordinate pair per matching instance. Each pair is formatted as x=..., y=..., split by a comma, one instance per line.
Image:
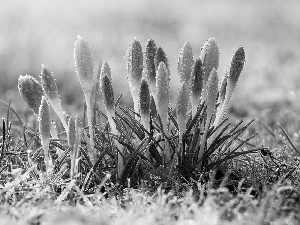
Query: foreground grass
x=137, y=207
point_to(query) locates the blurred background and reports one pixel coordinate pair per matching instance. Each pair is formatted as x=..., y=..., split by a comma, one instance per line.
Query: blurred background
x=44, y=32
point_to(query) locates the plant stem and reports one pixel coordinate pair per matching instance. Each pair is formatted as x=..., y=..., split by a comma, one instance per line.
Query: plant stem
x=87, y=96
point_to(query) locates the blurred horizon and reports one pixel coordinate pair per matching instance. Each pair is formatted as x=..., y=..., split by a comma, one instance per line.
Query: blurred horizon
x=44, y=32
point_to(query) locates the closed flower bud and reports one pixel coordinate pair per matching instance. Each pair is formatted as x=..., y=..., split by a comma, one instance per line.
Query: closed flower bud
x=212, y=93
x=196, y=84
x=210, y=59
x=144, y=104
x=44, y=128
x=134, y=69
x=211, y=98
x=49, y=84
x=105, y=70
x=153, y=110
x=84, y=63
x=149, y=65
x=181, y=106
x=107, y=93
x=222, y=91
x=235, y=69
x=160, y=56
x=162, y=90
x=232, y=76
x=185, y=62
x=31, y=91
x=51, y=92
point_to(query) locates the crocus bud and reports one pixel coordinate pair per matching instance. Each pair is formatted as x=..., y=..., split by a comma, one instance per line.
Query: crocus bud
x=212, y=93
x=160, y=56
x=196, y=84
x=162, y=92
x=162, y=96
x=185, y=62
x=211, y=98
x=149, y=66
x=181, y=107
x=51, y=93
x=233, y=74
x=235, y=69
x=107, y=94
x=144, y=104
x=31, y=91
x=84, y=64
x=222, y=90
x=210, y=59
x=105, y=70
x=134, y=70
x=44, y=128
x=153, y=110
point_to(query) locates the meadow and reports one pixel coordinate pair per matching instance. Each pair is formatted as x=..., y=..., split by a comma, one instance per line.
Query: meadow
x=258, y=162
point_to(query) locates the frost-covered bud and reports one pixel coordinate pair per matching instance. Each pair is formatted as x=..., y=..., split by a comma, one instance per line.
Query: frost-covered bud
x=105, y=70
x=107, y=93
x=235, y=69
x=162, y=91
x=212, y=93
x=149, y=66
x=49, y=84
x=160, y=56
x=84, y=64
x=51, y=92
x=209, y=57
x=144, y=104
x=181, y=107
x=185, y=62
x=44, y=128
x=196, y=84
x=222, y=90
x=134, y=70
x=153, y=110
x=31, y=91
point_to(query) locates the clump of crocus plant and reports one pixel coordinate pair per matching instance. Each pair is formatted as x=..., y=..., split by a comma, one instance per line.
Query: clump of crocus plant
x=159, y=130
x=84, y=65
